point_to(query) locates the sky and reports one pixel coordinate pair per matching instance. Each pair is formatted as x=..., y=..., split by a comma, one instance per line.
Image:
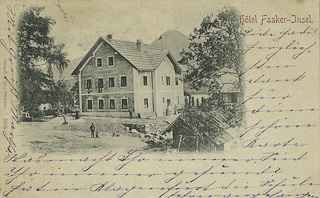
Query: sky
x=80, y=23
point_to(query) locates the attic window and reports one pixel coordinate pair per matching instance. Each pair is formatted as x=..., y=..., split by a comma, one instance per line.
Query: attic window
x=145, y=80
x=110, y=60
x=168, y=80
x=99, y=62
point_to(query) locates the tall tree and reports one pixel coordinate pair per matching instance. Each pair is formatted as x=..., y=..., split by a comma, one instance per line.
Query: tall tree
x=62, y=96
x=214, y=52
x=38, y=55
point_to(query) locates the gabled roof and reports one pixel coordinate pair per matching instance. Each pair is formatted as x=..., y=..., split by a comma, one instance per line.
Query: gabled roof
x=148, y=59
x=219, y=121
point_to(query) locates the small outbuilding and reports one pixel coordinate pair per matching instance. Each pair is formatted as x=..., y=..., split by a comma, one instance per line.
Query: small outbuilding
x=188, y=138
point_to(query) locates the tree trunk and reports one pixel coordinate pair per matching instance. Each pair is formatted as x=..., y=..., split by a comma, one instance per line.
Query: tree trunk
x=61, y=114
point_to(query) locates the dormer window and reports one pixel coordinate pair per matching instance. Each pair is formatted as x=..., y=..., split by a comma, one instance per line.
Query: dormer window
x=99, y=62
x=110, y=60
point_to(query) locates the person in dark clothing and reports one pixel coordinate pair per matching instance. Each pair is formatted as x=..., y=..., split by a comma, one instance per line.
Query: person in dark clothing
x=92, y=128
x=130, y=113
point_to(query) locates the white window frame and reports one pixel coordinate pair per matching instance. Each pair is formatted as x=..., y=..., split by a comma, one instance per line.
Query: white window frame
x=99, y=104
x=98, y=82
x=126, y=81
x=97, y=62
x=87, y=83
x=115, y=104
x=114, y=82
x=125, y=98
x=108, y=61
x=91, y=104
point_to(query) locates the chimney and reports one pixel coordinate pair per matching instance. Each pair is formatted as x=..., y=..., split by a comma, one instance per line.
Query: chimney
x=109, y=36
x=139, y=45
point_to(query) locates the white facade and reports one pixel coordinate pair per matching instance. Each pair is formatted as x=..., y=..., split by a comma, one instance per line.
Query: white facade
x=168, y=88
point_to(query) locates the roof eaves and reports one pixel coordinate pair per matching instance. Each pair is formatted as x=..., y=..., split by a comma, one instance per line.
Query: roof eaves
x=85, y=58
x=174, y=60
x=171, y=59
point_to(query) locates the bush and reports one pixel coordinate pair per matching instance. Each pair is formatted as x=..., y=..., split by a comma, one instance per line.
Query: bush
x=52, y=112
x=159, y=141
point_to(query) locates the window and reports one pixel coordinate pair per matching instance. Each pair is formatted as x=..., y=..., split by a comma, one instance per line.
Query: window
x=111, y=82
x=101, y=104
x=146, y=103
x=124, y=103
x=89, y=84
x=110, y=60
x=177, y=81
x=100, y=82
x=112, y=104
x=168, y=80
x=100, y=85
x=145, y=80
x=89, y=104
x=99, y=62
x=123, y=81
x=168, y=102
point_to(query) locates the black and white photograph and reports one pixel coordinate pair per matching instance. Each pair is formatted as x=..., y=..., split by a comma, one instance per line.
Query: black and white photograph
x=159, y=99
x=173, y=91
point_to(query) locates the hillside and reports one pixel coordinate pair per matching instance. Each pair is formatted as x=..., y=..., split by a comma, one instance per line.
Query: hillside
x=174, y=41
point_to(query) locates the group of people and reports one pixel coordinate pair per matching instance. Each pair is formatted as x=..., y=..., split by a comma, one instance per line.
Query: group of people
x=93, y=128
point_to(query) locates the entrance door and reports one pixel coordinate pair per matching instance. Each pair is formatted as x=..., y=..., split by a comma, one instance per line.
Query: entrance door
x=89, y=104
x=168, y=109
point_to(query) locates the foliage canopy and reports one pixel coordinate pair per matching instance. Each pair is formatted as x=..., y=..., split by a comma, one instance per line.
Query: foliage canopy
x=38, y=54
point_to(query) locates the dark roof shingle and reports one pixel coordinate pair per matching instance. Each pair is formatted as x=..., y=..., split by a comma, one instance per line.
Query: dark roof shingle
x=148, y=59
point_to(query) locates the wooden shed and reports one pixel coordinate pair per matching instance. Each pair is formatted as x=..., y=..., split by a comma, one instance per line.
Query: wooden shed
x=189, y=138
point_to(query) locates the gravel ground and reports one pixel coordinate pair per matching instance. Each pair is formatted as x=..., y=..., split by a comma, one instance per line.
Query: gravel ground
x=49, y=137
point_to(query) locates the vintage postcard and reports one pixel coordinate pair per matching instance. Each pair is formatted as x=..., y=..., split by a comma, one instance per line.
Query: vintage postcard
x=172, y=98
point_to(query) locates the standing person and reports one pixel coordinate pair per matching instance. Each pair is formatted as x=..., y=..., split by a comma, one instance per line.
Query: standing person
x=92, y=128
x=130, y=112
